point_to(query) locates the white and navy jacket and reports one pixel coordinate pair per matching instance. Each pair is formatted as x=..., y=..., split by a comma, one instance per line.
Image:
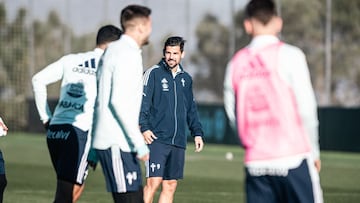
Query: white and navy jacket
x=77, y=73
x=168, y=105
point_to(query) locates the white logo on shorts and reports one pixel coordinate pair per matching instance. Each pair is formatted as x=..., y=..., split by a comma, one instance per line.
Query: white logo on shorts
x=131, y=176
x=154, y=166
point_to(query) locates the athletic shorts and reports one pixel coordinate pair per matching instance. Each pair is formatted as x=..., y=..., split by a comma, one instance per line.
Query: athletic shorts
x=68, y=147
x=299, y=185
x=121, y=170
x=2, y=164
x=166, y=161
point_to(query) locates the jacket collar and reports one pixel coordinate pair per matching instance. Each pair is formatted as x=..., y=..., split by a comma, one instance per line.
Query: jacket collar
x=162, y=63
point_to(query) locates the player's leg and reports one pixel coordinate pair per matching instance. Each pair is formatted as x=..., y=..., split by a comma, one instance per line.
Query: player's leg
x=152, y=184
x=168, y=191
x=122, y=175
x=55, y=143
x=63, y=192
x=83, y=140
x=3, y=181
x=174, y=170
x=155, y=167
x=68, y=147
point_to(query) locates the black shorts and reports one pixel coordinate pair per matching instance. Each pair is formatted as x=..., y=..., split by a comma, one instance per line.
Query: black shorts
x=68, y=147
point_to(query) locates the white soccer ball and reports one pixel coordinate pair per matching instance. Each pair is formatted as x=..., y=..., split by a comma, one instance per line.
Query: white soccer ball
x=229, y=156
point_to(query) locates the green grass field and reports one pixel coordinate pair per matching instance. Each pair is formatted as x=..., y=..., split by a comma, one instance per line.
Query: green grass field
x=209, y=177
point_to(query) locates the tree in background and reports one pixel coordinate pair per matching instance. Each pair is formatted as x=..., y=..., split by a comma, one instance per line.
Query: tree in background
x=304, y=26
x=212, y=56
x=346, y=52
x=13, y=66
x=15, y=59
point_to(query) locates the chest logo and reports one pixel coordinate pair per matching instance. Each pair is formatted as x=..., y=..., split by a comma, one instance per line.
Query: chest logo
x=183, y=82
x=165, y=85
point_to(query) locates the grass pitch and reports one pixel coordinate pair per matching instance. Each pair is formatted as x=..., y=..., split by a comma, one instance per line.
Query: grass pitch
x=209, y=176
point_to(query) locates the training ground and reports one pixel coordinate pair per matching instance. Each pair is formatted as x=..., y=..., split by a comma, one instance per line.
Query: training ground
x=209, y=176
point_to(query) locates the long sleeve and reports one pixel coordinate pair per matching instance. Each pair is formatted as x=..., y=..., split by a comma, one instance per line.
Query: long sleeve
x=229, y=97
x=126, y=101
x=192, y=115
x=147, y=97
x=48, y=75
x=299, y=79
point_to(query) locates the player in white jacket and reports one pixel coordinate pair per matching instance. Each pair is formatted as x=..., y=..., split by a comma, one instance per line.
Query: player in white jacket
x=117, y=139
x=68, y=128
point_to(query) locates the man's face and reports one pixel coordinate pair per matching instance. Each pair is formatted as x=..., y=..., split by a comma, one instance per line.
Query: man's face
x=147, y=31
x=173, y=56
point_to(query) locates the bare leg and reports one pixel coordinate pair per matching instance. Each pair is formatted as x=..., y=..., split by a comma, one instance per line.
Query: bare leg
x=152, y=184
x=168, y=191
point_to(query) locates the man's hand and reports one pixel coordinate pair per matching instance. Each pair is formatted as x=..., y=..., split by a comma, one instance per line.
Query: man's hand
x=92, y=159
x=318, y=165
x=199, y=144
x=46, y=124
x=149, y=136
x=145, y=157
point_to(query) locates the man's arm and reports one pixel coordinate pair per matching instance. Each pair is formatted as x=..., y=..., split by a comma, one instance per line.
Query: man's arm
x=194, y=121
x=125, y=100
x=305, y=99
x=229, y=97
x=147, y=97
x=146, y=104
x=50, y=74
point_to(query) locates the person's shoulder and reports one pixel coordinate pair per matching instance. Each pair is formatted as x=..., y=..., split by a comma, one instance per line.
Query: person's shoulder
x=186, y=74
x=76, y=57
x=114, y=45
x=153, y=69
x=292, y=49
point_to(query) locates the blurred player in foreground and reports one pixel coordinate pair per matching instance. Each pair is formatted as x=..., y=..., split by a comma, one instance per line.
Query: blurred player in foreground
x=68, y=127
x=168, y=107
x=117, y=138
x=268, y=93
x=3, y=181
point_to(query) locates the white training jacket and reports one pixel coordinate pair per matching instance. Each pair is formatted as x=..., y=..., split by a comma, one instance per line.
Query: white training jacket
x=78, y=89
x=119, y=97
x=297, y=76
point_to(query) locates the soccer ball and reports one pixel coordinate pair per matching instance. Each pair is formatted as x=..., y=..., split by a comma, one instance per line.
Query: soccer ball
x=229, y=156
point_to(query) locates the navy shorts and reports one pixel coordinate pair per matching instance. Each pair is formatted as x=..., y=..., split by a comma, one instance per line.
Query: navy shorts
x=2, y=164
x=121, y=170
x=68, y=147
x=166, y=161
x=299, y=185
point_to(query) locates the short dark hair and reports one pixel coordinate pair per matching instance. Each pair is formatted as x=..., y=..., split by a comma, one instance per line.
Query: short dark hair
x=174, y=41
x=107, y=33
x=261, y=10
x=133, y=11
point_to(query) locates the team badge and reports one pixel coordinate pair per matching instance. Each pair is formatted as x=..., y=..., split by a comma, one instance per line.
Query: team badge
x=165, y=85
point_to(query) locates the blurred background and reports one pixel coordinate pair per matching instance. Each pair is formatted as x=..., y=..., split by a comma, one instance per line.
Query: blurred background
x=34, y=33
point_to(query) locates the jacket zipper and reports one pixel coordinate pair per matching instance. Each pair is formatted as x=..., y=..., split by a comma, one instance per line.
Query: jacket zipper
x=175, y=114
